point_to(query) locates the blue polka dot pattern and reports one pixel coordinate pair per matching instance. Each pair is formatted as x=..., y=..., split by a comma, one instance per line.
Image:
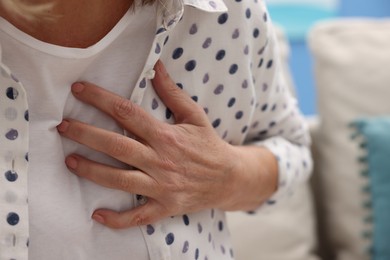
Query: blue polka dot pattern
x=248, y=13
x=166, y=40
x=12, y=219
x=197, y=253
x=244, y=84
x=13, y=165
x=260, y=63
x=12, y=93
x=269, y=64
x=206, y=78
x=26, y=116
x=236, y=34
x=232, y=101
x=154, y=104
x=216, y=123
x=12, y=134
x=233, y=69
x=177, y=53
x=207, y=43
x=142, y=84
x=160, y=30
x=220, y=226
x=11, y=176
x=157, y=50
x=170, y=238
x=231, y=253
x=150, y=229
x=185, y=247
x=223, y=250
x=186, y=220
x=190, y=66
x=223, y=18
x=200, y=228
x=223, y=59
x=219, y=89
x=239, y=115
x=168, y=113
x=212, y=4
x=220, y=55
x=193, y=29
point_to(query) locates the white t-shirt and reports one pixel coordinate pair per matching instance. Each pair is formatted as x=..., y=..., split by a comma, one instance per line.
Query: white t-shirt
x=60, y=203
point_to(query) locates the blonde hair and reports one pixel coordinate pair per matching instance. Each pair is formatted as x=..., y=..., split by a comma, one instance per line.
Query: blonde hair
x=27, y=11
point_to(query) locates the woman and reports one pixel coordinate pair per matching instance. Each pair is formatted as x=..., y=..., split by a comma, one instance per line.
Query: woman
x=152, y=161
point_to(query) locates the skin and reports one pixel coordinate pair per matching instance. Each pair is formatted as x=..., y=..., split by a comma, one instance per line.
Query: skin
x=181, y=168
x=75, y=23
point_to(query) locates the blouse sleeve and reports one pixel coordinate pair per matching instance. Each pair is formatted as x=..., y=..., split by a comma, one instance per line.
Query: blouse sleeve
x=277, y=123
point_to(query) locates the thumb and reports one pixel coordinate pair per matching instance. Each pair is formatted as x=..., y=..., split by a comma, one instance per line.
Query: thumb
x=146, y=214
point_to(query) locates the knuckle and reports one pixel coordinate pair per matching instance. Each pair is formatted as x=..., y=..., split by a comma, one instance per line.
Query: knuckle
x=141, y=220
x=123, y=182
x=167, y=136
x=117, y=146
x=166, y=164
x=123, y=108
x=175, y=92
x=181, y=204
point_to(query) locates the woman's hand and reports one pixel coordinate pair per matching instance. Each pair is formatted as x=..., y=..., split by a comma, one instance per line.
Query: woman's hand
x=180, y=168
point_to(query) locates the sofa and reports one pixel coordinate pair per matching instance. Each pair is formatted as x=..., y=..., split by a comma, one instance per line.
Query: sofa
x=343, y=211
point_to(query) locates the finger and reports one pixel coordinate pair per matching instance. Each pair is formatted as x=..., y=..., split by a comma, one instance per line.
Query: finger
x=132, y=181
x=182, y=106
x=120, y=147
x=146, y=214
x=132, y=117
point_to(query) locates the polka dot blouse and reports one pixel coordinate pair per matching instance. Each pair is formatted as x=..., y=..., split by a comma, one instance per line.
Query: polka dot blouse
x=224, y=56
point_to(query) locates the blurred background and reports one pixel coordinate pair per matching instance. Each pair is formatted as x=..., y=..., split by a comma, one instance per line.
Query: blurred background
x=297, y=17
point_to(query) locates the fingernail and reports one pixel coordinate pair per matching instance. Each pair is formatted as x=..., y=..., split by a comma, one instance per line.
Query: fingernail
x=77, y=87
x=63, y=126
x=98, y=218
x=71, y=162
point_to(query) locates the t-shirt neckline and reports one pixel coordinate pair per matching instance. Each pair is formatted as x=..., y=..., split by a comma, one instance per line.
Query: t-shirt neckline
x=67, y=52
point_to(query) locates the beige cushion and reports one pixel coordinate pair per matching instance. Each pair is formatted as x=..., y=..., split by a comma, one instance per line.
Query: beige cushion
x=284, y=232
x=352, y=68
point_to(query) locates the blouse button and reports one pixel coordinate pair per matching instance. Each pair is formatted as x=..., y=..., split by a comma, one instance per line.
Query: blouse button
x=150, y=74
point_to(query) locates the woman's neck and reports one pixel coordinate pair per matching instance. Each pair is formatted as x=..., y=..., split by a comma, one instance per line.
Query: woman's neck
x=75, y=23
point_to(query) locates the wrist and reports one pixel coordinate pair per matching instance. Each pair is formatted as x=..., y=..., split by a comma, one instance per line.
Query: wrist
x=254, y=178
